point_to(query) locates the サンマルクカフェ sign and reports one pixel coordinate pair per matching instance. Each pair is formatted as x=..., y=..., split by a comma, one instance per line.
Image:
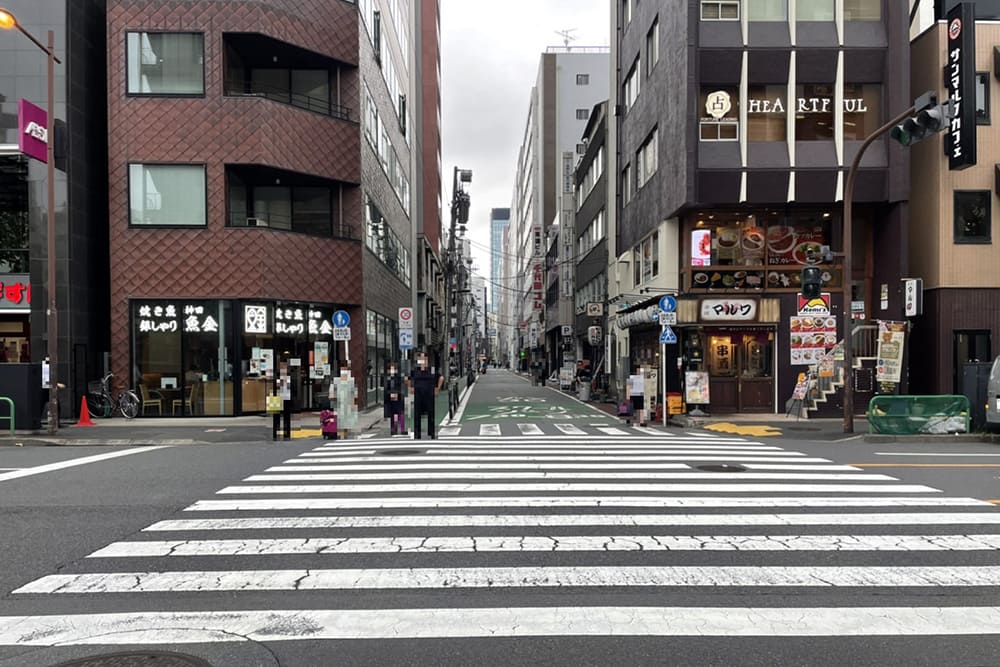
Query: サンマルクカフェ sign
x=960, y=78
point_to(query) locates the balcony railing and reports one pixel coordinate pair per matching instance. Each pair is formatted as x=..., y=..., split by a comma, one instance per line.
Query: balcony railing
x=242, y=88
x=286, y=223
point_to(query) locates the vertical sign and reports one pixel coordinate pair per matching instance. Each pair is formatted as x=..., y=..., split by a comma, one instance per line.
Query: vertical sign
x=960, y=79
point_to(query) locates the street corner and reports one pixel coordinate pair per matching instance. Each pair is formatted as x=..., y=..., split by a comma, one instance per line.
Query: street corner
x=755, y=430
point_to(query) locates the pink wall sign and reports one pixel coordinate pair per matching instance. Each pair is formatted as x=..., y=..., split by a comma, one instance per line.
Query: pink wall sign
x=31, y=134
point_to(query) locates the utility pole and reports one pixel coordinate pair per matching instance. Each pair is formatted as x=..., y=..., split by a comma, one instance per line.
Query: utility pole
x=453, y=264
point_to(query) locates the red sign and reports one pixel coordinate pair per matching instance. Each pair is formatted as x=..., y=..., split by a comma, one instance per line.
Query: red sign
x=817, y=306
x=15, y=292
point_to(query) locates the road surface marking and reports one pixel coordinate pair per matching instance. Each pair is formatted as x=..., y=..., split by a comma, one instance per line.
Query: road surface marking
x=604, y=502
x=645, y=430
x=556, y=438
x=926, y=465
x=570, y=429
x=530, y=429
x=759, y=430
x=449, y=431
x=554, y=442
x=11, y=469
x=989, y=517
x=539, y=543
x=515, y=577
x=569, y=475
x=995, y=501
x=814, y=467
x=735, y=457
x=941, y=454
x=562, y=487
x=611, y=430
x=567, y=448
x=37, y=470
x=489, y=429
x=270, y=625
x=477, y=465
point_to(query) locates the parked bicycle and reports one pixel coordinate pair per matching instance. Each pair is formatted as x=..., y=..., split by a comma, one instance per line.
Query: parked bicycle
x=107, y=401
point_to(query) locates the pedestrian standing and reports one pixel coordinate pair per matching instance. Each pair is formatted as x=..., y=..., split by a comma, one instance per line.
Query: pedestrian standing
x=635, y=391
x=393, y=401
x=425, y=384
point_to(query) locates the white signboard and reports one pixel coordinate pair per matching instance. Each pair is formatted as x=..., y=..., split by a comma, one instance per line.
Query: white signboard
x=716, y=310
x=668, y=319
x=595, y=309
x=342, y=333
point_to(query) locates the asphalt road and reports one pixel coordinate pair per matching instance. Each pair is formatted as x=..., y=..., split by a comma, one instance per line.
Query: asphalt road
x=535, y=530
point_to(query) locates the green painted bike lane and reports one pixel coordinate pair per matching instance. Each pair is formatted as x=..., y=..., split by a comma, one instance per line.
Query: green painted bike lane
x=503, y=396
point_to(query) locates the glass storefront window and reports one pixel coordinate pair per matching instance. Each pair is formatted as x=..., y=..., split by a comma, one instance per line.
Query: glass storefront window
x=166, y=63
x=382, y=347
x=182, y=357
x=759, y=238
x=814, y=112
x=767, y=111
x=862, y=110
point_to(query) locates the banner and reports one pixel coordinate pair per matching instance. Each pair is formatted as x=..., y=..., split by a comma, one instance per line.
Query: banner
x=696, y=388
x=891, y=339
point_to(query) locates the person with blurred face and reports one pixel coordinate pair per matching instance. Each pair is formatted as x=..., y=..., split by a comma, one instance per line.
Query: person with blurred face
x=425, y=383
x=393, y=400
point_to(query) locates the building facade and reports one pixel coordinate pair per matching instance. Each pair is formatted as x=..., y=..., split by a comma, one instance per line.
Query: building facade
x=736, y=122
x=80, y=206
x=569, y=82
x=499, y=220
x=231, y=250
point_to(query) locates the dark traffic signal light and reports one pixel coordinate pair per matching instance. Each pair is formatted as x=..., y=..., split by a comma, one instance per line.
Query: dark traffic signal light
x=929, y=119
x=812, y=282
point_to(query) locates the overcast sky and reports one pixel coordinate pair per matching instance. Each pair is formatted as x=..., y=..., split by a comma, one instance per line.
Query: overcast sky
x=489, y=60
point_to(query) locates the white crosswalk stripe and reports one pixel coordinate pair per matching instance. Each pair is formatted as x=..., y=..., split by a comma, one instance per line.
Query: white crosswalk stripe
x=520, y=508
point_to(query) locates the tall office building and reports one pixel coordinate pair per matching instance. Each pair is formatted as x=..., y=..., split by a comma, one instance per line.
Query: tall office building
x=499, y=219
x=570, y=81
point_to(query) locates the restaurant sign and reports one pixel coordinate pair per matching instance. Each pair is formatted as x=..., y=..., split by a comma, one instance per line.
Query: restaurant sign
x=172, y=317
x=15, y=293
x=728, y=310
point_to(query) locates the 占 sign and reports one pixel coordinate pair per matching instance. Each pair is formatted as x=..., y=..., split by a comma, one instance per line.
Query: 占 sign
x=960, y=80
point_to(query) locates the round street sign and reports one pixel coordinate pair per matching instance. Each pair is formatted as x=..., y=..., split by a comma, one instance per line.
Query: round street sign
x=341, y=319
x=405, y=316
x=668, y=303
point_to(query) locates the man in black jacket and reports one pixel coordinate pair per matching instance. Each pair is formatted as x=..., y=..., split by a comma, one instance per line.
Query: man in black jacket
x=424, y=383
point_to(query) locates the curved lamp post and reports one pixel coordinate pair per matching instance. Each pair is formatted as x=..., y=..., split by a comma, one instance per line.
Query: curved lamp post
x=8, y=22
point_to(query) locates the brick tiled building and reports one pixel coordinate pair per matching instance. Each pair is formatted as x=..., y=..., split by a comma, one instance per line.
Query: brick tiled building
x=245, y=206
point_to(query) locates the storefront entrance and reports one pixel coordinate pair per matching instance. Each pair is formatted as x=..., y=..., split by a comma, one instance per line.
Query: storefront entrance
x=740, y=363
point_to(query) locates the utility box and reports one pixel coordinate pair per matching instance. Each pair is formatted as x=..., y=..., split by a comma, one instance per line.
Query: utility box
x=22, y=383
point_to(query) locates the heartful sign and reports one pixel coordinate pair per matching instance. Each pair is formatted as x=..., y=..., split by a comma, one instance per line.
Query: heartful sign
x=32, y=134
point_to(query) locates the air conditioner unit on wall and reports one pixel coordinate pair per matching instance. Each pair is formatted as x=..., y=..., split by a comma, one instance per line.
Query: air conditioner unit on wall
x=256, y=222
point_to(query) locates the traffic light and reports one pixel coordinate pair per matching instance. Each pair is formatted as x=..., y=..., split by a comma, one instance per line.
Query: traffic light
x=929, y=119
x=812, y=282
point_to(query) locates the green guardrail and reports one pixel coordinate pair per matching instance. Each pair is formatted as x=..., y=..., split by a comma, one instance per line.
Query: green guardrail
x=9, y=417
x=912, y=415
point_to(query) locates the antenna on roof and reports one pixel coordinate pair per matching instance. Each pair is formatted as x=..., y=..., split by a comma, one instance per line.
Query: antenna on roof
x=567, y=36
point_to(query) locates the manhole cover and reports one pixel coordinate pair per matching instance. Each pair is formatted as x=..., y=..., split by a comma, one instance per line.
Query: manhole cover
x=137, y=659
x=722, y=468
x=402, y=452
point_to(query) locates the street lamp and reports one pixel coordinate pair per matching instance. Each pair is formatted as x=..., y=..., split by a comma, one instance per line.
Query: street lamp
x=7, y=22
x=459, y=218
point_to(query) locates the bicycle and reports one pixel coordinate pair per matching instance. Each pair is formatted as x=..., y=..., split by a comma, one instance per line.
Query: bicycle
x=105, y=403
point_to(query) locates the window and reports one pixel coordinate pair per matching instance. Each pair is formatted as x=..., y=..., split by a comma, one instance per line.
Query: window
x=626, y=12
x=982, y=98
x=766, y=113
x=167, y=194
x=653, y=46
x=714, y=10
x=630, y=91
x=862, y=10
x=719, y=115
x=862, y=104
x=768, y=10
x=581, y=149
x=814, y=10
x=377, y=36
x=972, y=216
x=646, y=160
x=646, y=259
x=166, y=63
x=582, y=79
x=582, y=114
x=814, y=112
x=626, y=184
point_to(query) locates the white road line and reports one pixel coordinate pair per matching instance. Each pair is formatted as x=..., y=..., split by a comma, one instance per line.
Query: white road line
x=645, y=430
x=272, y=625
x=944, y=454
x=449, y=431
x=570, y=429
x=608, y=465
x=548, y=520
x=530, y=429
x=462, y=402
x=11, y=468
x=339, y=463
x=489, y=429
x=562, y=440
x=561, y=487
x=546, y=502
x=611, y=430
x=61, y=465
x=534, y=543
x=543, y=474
x=815, y=467
x=514, y=577
x=540, y=449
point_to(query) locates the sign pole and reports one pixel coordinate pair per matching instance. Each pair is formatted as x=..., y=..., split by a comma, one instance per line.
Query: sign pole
x=663, y=374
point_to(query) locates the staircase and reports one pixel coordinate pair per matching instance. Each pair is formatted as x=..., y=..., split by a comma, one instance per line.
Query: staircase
x=864, y=347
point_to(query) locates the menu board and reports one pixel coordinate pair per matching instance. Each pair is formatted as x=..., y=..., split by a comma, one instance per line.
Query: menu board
x=891, y=340
x=701, y=247
x=788, y=244
x=696, y=390
x=810, y=338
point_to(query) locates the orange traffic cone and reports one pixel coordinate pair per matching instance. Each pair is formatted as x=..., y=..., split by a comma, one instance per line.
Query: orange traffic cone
x=84, y=414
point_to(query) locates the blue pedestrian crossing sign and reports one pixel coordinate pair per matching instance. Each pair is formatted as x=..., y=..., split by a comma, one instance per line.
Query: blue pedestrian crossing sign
x=667, y=336
x=341, y=319
x=668, y=304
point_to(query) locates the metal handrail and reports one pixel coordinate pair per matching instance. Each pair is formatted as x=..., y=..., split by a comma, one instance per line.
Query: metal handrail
x=10, y=417
x=286, y=96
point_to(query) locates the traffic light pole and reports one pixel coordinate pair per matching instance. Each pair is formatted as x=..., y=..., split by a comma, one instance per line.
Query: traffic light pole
x=852, y=174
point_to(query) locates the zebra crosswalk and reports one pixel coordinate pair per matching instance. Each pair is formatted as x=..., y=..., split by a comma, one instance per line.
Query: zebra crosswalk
x=549, y=429
x=584, y=518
